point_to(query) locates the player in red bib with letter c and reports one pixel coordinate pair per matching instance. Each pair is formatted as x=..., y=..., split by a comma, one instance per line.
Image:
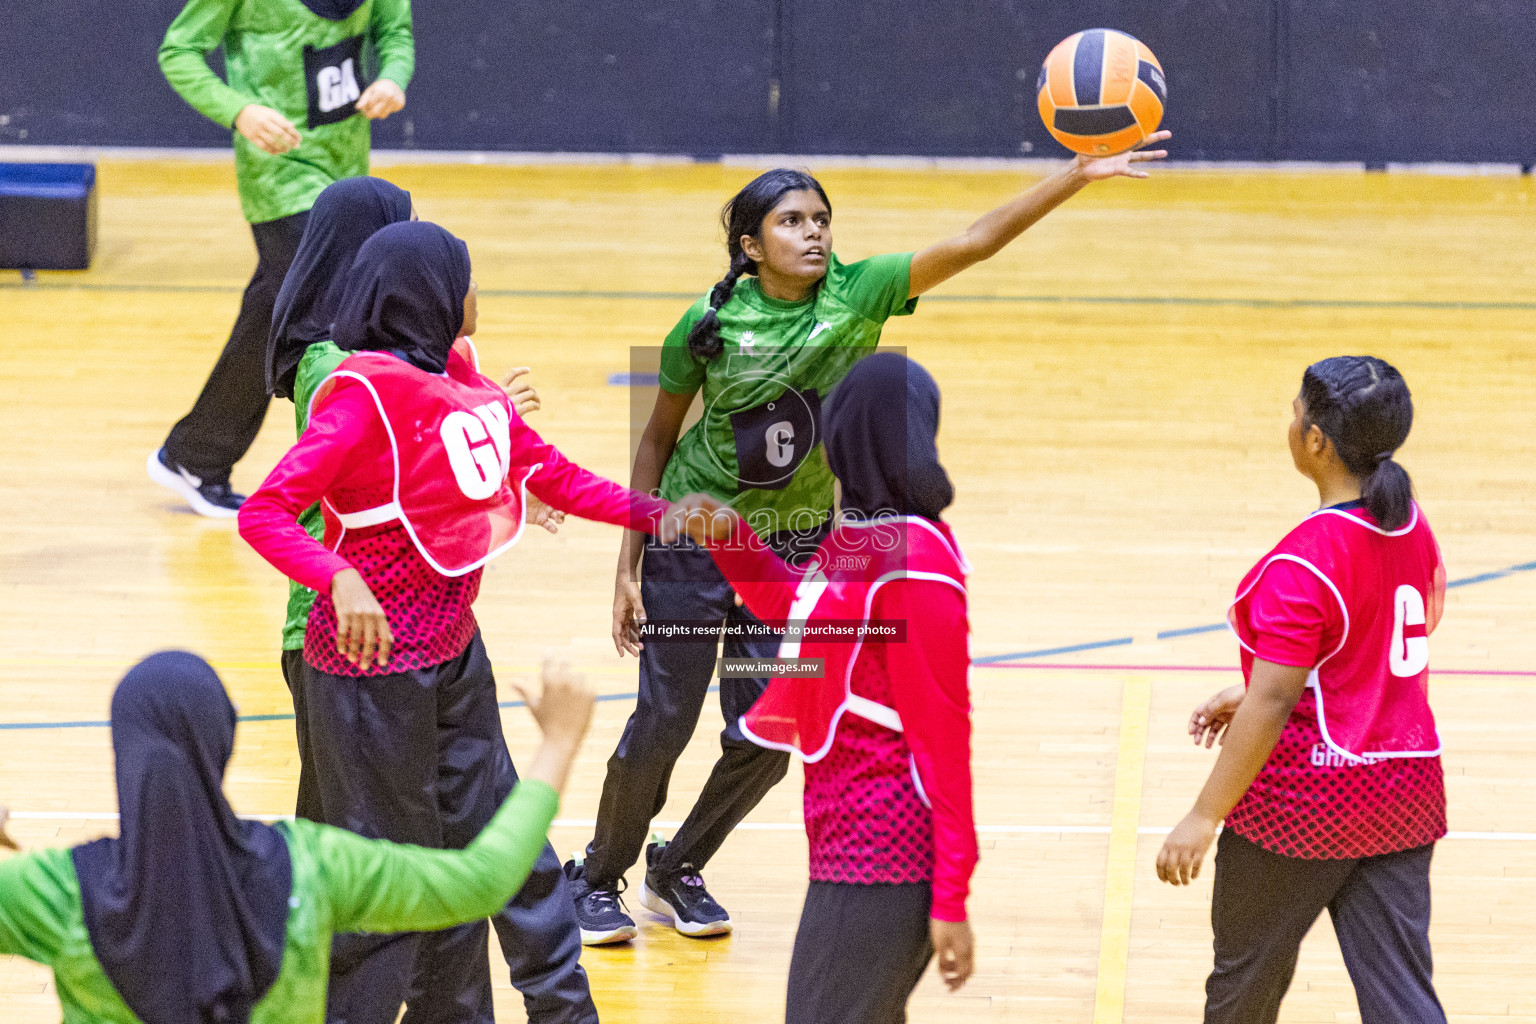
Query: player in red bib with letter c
x=1329, y=778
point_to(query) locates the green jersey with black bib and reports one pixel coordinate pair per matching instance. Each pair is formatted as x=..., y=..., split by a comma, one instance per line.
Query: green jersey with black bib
x=310, y=69
x=758, y=444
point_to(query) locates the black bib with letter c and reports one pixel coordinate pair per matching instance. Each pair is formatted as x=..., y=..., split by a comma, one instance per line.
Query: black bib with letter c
x=333, y=77
x=772, y=439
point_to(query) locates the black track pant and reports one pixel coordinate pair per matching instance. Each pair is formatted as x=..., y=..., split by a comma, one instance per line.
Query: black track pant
x=859, y=953
x=681, y=582
x=295, y=673
x=1265, y=903
x=419, y=757
x=227, y=415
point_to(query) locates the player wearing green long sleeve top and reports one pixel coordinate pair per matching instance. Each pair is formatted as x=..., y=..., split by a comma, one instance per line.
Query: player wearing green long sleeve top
x=320, y=360
x=191, y=914
x=304, y=77
x=269, y=45
x=341, y=883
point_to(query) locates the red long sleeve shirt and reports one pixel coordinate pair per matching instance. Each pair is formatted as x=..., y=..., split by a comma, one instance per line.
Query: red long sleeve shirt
x=345, y=448
x=886, y=806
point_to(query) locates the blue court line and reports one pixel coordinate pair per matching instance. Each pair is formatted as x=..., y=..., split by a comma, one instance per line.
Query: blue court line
x=1169, y=634
x=1046, y=653
x=274, y=718
x=990, y=659
x=658, y=296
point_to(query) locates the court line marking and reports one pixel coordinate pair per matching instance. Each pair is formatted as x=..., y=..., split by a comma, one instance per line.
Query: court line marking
x=1169, y=634
x=1120, y=869
x=788, y=826
x=986, y=661
x=1107, y=667
x=1200, y=301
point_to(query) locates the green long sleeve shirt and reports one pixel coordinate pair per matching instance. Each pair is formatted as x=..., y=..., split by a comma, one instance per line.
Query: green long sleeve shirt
x=318, y=362
x=264, y=45
x=341, y=883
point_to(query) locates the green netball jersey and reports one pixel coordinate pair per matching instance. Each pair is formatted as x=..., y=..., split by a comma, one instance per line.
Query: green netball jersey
x=758, y=444
x=310, y=69
x=341, y=883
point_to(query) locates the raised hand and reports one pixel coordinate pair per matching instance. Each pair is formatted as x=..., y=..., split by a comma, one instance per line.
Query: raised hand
x=1097, y=168
x=521, y=394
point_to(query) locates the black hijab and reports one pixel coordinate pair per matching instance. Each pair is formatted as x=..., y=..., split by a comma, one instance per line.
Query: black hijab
x=405, y=295
x=882, y=426
x=342, y=219
x=333, y=10
x=187, y=910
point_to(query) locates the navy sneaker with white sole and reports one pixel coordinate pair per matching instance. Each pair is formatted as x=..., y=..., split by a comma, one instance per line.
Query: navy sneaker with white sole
x=599, y=908
x=214, y=500
x=680, y=894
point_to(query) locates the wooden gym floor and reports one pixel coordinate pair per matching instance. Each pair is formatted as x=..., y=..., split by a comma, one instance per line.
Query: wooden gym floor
x=1117, y=388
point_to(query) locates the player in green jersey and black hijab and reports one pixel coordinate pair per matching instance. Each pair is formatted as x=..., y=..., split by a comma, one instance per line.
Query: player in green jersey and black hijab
x=304, y=78
x=765, y=347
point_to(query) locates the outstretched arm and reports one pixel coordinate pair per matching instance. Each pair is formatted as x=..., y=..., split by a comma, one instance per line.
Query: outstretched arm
x=986, y=238
x=765, y=582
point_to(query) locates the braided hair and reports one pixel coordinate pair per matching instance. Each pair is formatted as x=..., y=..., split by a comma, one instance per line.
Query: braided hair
x=744, y=215
x=1362, y=405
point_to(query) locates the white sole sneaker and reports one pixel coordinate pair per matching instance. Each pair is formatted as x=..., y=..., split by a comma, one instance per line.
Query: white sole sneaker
x=168, y=478
x=694, y=930
x=608, y=938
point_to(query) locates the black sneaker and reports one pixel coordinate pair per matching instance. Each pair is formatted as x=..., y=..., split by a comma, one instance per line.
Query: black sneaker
x=214, y=500
x=599, y=909
x=681, y=895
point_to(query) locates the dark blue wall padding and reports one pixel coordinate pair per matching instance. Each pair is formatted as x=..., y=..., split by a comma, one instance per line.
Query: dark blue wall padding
x=659, y=76
x=1410, y=80
x=958, y=77
x=68, y=77
x=1369, y=80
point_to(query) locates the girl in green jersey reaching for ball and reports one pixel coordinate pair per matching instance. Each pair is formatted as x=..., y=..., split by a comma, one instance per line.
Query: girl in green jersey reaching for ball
x=765, y=347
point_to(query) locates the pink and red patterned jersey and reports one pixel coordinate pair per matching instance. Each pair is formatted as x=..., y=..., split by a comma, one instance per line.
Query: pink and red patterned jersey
x=885, y=736
x=1356, y=771
x=408, y=501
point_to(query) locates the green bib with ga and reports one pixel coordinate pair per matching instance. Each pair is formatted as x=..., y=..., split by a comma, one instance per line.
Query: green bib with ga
x=758, y=442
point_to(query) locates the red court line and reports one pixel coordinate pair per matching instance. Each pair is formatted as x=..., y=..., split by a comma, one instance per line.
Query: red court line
x=1060, y=666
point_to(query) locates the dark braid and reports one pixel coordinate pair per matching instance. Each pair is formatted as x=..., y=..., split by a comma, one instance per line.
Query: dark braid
x=1362, y=405
x=744, y=215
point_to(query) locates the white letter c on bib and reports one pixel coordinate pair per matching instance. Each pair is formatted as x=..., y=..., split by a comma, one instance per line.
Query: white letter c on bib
x=471, y=454
x=1409, y=654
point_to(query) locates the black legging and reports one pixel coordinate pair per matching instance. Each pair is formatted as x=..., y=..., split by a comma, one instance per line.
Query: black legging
x=227, y=415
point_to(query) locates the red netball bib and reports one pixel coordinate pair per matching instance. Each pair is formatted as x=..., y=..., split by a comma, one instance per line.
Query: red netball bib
x=1372, y=690
x=854, y=562
x=449, y=436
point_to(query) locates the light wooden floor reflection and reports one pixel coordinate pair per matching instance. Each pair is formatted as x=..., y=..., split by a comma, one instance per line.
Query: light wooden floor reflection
x=1116, y=391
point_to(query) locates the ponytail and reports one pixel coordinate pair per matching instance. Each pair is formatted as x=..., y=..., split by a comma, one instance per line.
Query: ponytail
x=1388, y=494
x=704, y=338
x=744, y=215
x=1362, y=405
